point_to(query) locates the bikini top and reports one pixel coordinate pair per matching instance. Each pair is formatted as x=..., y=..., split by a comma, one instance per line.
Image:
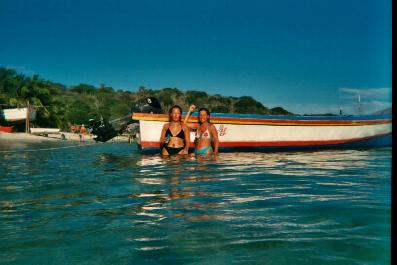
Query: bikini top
x=181, y=134
x=205, y=135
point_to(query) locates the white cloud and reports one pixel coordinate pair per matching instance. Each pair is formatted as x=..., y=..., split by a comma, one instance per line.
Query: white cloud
x=371, y=99
x=308, y=108
x=21, y=69
x=348, y=108
x=368, y=93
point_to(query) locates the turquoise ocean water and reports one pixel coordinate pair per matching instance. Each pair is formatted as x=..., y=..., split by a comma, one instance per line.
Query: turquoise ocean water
x=109, y=204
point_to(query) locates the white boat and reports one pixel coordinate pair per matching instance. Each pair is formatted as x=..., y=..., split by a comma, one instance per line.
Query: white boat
x=18, y=114
x=44, y=131
x=251, y=132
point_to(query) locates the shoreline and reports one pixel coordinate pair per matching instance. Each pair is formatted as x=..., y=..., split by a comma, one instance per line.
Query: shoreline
x=11, y=138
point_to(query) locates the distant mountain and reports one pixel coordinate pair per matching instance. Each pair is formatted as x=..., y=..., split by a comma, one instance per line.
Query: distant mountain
x=324, y=114
x=385, y=111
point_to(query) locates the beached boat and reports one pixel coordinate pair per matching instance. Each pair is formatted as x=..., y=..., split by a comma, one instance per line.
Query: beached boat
x=44, y=131
x=17, y=114
x=244, y=132
x=7, y=129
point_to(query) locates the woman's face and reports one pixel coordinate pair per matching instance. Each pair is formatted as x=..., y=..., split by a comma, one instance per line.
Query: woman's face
x=175, y=114
x=203, y=116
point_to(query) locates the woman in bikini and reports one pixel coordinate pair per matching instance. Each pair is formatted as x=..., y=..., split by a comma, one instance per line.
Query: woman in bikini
x=175, y=136
x=206, y=133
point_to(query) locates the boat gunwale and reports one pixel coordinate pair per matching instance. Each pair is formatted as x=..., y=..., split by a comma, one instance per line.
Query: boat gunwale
x=255, y=119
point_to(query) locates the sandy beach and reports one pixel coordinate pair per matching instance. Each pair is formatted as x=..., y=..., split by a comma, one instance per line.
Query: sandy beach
x=39, y=138
x=22, y=141
x=54, y=137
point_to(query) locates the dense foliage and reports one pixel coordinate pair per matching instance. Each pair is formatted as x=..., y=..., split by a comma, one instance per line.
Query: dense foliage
x=61, y=106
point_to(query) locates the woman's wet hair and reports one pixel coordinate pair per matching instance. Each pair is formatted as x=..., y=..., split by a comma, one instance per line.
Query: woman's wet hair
x=172, y=108
x=208, y=114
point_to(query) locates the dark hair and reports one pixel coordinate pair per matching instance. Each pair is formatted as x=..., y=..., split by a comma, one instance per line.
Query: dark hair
x=207, y=111
x=171, y=109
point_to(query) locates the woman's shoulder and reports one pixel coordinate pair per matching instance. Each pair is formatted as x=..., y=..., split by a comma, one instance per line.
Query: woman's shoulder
x=212, y=127
x=193, y=126
x=184, y=126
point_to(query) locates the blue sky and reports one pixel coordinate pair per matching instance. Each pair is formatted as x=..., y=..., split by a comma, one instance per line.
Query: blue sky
x=308, y=56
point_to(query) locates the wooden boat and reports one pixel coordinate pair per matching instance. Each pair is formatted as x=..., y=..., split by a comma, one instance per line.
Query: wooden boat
x=18, y=114
x=246, y=132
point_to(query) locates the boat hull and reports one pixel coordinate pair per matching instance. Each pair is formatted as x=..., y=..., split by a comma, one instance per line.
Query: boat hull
x=270, y=133
x=40, y=131
x=18, y=114
x=7, y=129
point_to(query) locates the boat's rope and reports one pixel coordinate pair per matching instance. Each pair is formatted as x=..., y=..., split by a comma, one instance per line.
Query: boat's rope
x=45, y=149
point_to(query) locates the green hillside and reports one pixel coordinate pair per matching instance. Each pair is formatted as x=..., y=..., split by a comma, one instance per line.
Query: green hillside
x=60, y=106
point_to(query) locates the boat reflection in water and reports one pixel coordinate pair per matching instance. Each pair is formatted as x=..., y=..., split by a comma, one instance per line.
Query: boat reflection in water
x=180, y=175
x=178, y=178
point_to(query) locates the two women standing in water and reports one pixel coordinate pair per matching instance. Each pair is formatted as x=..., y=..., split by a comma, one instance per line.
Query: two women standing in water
x=206, y=136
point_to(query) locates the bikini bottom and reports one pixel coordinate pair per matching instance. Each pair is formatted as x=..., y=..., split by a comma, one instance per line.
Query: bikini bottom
x=203, y=151
x=173, y=150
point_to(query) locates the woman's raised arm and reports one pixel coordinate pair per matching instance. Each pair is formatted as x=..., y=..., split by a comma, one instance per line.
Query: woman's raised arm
x=185, y=120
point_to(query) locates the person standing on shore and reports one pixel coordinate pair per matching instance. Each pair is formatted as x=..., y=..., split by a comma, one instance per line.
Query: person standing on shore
x=175, y=136
x=82, y=132
x=206, y=140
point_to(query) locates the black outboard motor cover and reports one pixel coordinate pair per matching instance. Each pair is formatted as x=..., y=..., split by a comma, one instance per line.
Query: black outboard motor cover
x=148, y=105
x=102, y=130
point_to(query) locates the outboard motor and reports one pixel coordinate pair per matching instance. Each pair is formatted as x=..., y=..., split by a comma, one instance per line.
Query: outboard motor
x=106, y=130
x=102, y=130
x=148, y=105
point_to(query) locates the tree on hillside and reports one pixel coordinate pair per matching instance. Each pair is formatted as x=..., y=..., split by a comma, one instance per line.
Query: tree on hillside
x=105, y=89
x=279, y=111
x=84, y=89
x=79, y=112
x=248, y=105
x=195, y=97
x=144, y=92
x=220, y=109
